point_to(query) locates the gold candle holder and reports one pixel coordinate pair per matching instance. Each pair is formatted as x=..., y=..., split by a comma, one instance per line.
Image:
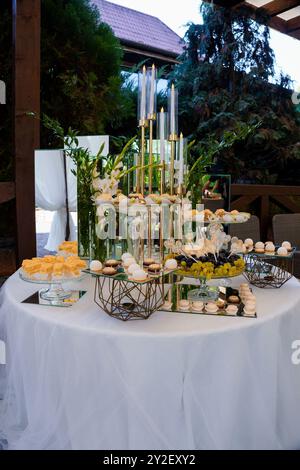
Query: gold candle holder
x=162, y=178
x=151, y=122
x=161, y=235
x=141, y=170
x=149, y=232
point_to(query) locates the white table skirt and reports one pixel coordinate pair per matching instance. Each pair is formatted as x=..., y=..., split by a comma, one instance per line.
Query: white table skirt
x=79, y=379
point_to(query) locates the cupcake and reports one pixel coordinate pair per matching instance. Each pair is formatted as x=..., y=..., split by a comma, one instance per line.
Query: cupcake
x=232, y=309
x=197, y=306
x=282, y=251
x=287, y=245
x=183, y=305
x=259, y=247
x=95, y=266
x=211, y=307
x=171, y=264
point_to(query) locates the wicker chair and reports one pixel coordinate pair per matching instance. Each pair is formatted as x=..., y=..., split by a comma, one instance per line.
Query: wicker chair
x=287, y=227
x=250, y=229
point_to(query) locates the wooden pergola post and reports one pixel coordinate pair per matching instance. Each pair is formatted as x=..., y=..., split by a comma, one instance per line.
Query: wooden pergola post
x=26, y=37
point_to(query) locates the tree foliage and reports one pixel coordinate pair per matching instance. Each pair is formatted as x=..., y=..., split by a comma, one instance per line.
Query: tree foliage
x=227, y=78
x=80, y=68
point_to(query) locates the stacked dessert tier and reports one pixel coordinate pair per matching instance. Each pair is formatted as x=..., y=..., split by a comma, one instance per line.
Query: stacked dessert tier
x=52, y=268
x=127, y=268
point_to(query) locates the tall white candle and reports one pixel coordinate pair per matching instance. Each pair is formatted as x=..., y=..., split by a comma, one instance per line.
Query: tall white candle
x=172, y=110
x=143, y=96
x=181, y=161
x=162, y=134
x=152, y=91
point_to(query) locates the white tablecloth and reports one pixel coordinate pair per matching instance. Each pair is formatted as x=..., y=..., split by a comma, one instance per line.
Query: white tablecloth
x=78, y=379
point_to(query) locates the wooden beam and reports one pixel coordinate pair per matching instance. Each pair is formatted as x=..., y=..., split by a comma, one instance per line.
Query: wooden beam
x=226, y=3
x=7, y=192
x=26, y=37
x=287, y=203
x=277, y=7
x=279, y=24
x=293, y=24
x=264, y=190
x=241, y=203
x=295, y=34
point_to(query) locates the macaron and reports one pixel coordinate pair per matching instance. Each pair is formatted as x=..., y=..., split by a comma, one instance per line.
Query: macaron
x=95, y=265
x=133, y=267
x=282, y=251
x=111, y=263
x=171, y=264
x=148, y=261
x=211, y=307
x=109, y=271
x=232, y=309
x=139, y=275
x=183, y=305
x=126, y=255
x=287, y=245
x=259, y=247
x=128, y=261
x=197, y=306
x=167, y=305
x=154, y=268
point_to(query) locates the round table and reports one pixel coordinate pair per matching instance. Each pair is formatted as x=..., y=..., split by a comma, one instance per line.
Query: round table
x=78, y=379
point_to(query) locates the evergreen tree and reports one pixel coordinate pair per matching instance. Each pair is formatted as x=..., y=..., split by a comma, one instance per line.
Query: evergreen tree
x=226, y=78
x=80, y=66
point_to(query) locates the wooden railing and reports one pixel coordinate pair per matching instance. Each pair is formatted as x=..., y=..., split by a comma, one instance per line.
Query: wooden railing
x=287, y=198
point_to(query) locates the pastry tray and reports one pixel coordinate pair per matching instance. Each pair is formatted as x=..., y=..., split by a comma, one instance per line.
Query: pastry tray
x=272, y=255
x=125, y=277
x=180, y=291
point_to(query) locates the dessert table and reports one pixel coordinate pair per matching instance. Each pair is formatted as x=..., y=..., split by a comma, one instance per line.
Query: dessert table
x=78, y=379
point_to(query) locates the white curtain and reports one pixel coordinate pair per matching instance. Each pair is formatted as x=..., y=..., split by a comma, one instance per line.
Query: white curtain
x=50, y=193
x=50, y=185
x=93, y=143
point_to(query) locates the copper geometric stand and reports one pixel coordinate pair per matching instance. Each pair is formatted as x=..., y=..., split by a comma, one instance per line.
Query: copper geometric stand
x=127, y=300
x=268, y=271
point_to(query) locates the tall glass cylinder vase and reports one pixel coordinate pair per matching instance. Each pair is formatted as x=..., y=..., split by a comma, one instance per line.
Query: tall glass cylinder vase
x=85, y=218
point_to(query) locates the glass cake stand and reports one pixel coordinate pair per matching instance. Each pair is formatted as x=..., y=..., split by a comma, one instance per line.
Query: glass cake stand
x=55, y=290
x=205, y=292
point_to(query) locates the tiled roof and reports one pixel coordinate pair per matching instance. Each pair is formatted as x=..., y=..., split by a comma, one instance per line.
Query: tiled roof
x=140, y=29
